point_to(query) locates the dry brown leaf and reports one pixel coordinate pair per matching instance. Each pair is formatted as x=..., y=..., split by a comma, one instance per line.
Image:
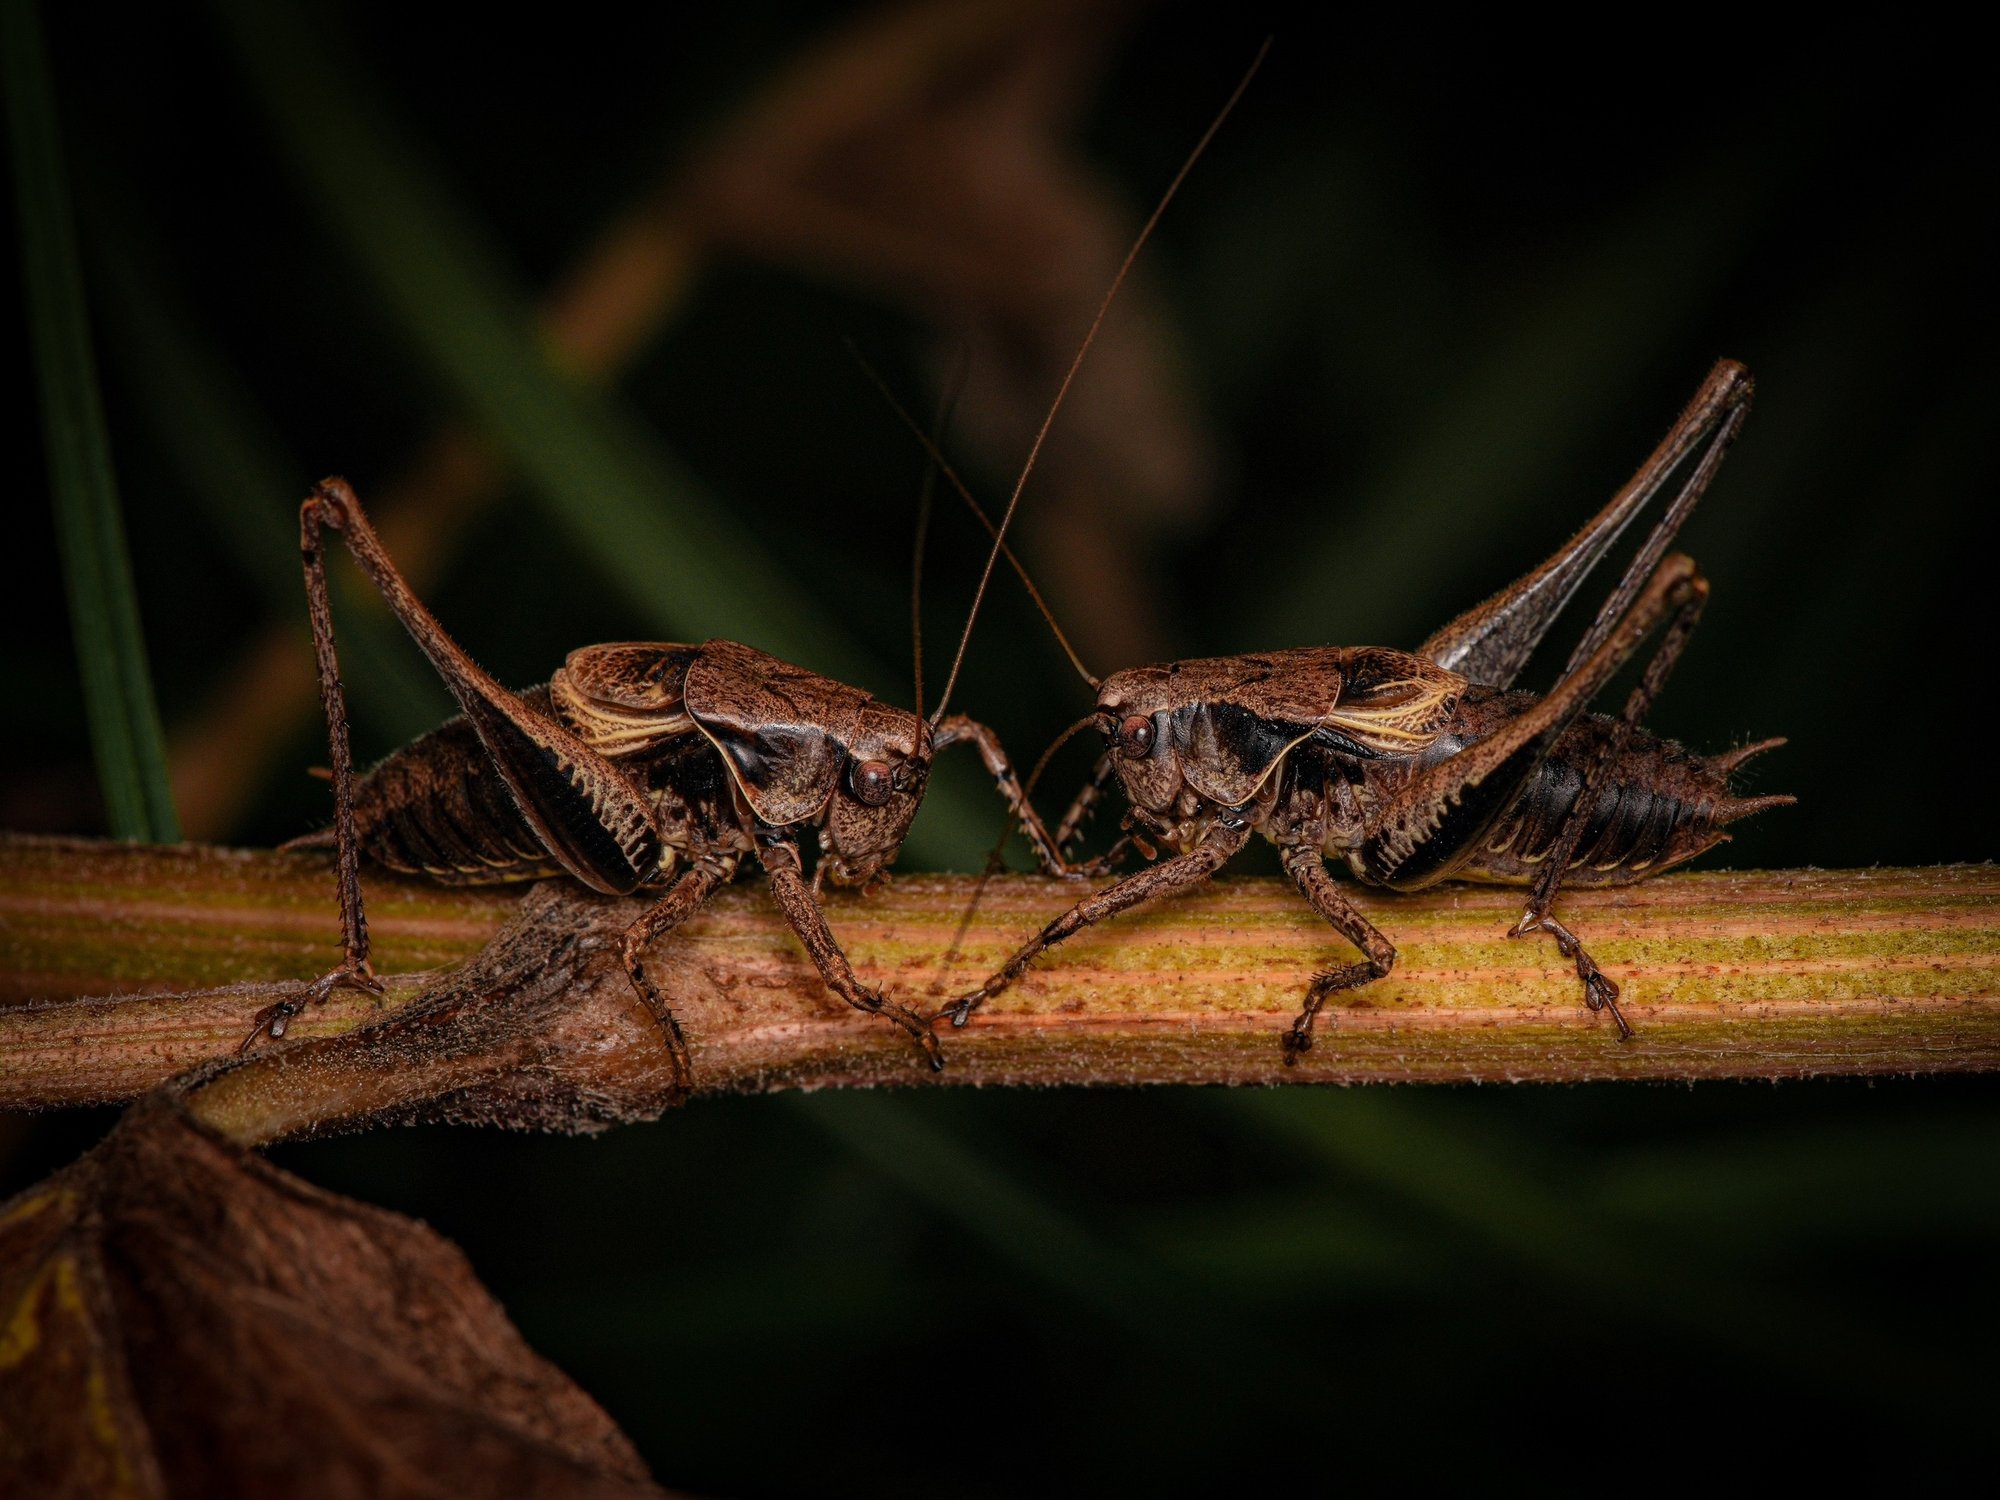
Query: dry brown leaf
x=179, y=1317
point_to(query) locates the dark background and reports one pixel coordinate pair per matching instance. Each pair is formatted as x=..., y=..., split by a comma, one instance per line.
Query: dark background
x=1432, y=295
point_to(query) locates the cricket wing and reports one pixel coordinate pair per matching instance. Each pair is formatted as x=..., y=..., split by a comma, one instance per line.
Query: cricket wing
x=1227, y=750
x=1232, y=719
x=1391, y=702
x=626, y=698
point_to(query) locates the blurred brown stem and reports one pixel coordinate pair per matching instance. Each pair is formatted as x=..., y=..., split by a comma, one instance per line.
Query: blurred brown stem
x=1728, y=975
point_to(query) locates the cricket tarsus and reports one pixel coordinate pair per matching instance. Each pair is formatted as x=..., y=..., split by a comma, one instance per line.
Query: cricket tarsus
x=1308, y=872
x=1415, y=768
x=273, y=1020
x=640, y=767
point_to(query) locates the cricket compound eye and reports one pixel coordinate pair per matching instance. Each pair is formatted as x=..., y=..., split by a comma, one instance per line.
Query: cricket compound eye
x=872, y=782
x=1135, y=736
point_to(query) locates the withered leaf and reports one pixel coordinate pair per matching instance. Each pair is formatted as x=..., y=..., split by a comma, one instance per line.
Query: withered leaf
x=180, y=1318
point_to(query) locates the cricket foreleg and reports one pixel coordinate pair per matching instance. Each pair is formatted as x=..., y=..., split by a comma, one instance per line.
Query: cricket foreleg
x=682, y=900
x=794, y=894
x=1183, y=872
x=1079, y=813
x=1308, y=871
x=1599, y=992
x=960, y=729
x=1085, y=804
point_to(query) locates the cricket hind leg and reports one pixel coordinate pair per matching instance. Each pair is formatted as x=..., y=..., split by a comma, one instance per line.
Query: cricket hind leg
x=1431, y=826
x=591, y=820
x=1308, y=872
x=353, y=970
x=1600, y=992
x=682, y=900
x=1492, y=642
x=794, y=893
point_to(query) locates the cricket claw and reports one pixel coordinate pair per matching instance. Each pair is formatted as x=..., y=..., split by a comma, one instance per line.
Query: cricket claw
x=918, y=1028
x=272, y=1020
x=350, y=974
x=1599, y=993
x=1298, y=1042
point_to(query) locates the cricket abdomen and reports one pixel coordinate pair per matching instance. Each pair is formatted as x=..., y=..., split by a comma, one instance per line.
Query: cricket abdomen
x=1657, y=805
x=438, y=808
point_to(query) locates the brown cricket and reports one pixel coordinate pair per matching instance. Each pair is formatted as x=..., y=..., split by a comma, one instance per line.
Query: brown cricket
x=1413, y=768
x=652, y=765
x=639, y=766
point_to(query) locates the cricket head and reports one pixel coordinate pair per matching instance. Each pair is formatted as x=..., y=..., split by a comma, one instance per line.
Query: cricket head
x=1138, y=713
x=1214, y=731
x=876, y=796
x=805, y=751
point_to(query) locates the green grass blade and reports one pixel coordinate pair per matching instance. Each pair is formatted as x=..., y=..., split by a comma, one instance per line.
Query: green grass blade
x=688, y=568
x=104, y=610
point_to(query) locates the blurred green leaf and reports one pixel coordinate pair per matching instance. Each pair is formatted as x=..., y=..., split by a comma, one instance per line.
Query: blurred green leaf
x=1786, y=1191
x=104, y=609
x=1523, y=1202
x=1271, y=1245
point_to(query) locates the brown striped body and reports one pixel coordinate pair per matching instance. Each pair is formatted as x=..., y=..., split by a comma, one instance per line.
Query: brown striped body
x=437, y=808
x=1657, y=803
x=1322, y=777
x=719, y=741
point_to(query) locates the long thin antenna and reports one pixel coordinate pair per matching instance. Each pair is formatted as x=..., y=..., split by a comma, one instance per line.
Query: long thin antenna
x=1042, y=764
x=1089, y=338
x=942, y=465
x=947, y=400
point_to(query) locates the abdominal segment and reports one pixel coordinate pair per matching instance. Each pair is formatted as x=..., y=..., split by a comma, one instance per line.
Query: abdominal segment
x=1657, y=805
x=439, y=808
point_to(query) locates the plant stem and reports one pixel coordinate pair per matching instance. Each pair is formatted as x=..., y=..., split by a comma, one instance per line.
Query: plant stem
x=1726, y=975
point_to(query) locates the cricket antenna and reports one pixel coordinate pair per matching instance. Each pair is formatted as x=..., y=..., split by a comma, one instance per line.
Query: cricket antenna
x=942, y=465
x=947, y=401
x=1089, y=338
